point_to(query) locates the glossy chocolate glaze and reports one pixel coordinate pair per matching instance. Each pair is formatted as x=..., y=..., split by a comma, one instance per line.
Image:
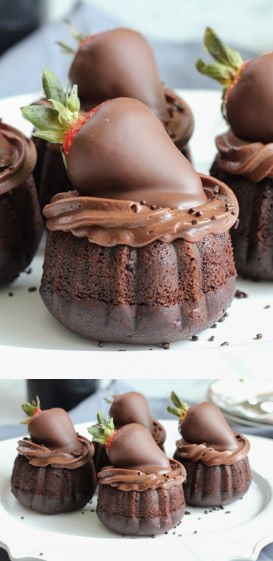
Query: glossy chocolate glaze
x=54, y=429
x=133, y=447
x=70, y=458
x=131, y=407
x=123, y=150
x=253, y=160
x=110, y=222
x=211, y=456
x=118, y=63
x=140, y=480
x=249, y=104
x=17, y=158
x=204, y=423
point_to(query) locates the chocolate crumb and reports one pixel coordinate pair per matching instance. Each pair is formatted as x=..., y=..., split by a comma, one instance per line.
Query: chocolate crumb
x=187, y=512
x=213, y=217
x=226, y=314
x=165, y=346
x=195, y=532
x=32, y=289
x=221, y=319
x=267, y=307
x=166, y=532
x=221, y=507
x=100, y=344
x=10, y=294
x=195, y=338
x=194, y=221
x=179, y=536
x=142, y=202
x=199, y=518
x=93, y=510
x=258, y=336
x=211, y=338
x=191, y=210
x=224, y=344
x=213, y=326
x=198, y=213
x=228, y=512
x=153, y=207
x=240, y=294
x=22, y=517
x=205, y=512
x=82, y=512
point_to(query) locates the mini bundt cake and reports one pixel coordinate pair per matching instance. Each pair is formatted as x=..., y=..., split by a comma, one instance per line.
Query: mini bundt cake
x=215, y=458
x=115, y=63
x=20, y=216
x=54, y=471
x=141, y=492
x=244, y=159
x=126, y=408
x=141, y=252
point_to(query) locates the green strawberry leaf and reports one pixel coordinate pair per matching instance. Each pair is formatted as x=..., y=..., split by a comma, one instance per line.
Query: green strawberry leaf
x=41, y=117
x=52, y=86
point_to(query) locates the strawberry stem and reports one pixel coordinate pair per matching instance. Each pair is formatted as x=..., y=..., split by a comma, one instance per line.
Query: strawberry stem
x=111, y=398
x=180, y=407
x=228, y=61
x=104, y=431
x=55, y=122
x=31, y=409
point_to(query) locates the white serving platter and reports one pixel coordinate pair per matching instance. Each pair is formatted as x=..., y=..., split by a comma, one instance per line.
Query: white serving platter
x=238, y=531
x=34, y=343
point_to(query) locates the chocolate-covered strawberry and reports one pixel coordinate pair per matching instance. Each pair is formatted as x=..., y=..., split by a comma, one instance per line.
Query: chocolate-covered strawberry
x=131, y=446
x=51, y=427
x=203, y=423
x=130, y=407
x=247, y=88
x=117, y=63
x=130, y=141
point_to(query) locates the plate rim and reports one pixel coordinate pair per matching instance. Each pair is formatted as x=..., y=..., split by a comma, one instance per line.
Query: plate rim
x=234, y=540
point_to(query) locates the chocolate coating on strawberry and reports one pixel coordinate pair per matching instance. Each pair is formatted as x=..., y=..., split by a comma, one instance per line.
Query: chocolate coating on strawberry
x=203, y=423
x=118, y=63
x=130, y=447
x=51, y=427
x=247, y=89
x=131, y=407
x=249, y=104
x=137, y=160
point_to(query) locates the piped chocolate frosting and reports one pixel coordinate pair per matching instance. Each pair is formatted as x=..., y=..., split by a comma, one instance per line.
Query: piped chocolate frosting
x=110, y=222
x=70, y=458
x=253, y=160
x=209, y=455
x=17, y=158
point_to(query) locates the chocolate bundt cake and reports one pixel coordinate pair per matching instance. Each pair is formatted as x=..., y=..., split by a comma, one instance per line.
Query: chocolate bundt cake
x=20, y=217
x=54, y=471
x=141, y=492
x=126, y=408
x=215, y=458
x=141, y=252
x=244, y=159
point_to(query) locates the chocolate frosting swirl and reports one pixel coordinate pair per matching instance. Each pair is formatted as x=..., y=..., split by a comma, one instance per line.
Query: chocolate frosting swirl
x=137, y=480
x=42, y=456
x=110, y=222
x=17, y=158
x=211, y=457
x=253, y=160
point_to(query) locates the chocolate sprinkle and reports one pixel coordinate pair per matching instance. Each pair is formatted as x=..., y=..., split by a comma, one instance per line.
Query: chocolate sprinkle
x=224, y=344
x=32, y=289
x=240, y=294
x=258, y=336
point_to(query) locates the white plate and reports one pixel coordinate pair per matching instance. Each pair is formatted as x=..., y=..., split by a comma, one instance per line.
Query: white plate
x=34, y=341
x=239, y=531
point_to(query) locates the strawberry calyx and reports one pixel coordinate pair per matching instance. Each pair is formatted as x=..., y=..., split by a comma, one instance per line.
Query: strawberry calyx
x=228, y=66
x=104, y=431
x=180, y=408
x=31, y=409
x=79, y=38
